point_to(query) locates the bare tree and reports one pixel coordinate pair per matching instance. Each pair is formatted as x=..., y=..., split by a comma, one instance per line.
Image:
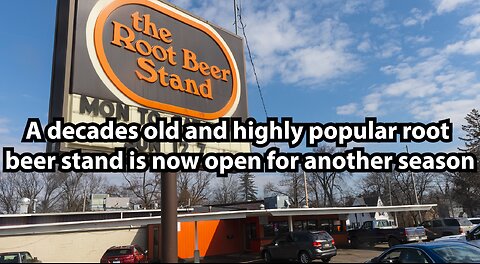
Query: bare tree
x=28, y=185
x=8, y=195
x=377, y=184
x=193, y=188
x=227, y=190
x=52, y=192
x=144, y=186
x=77, y=188
x=327, y=181
x=292, y=185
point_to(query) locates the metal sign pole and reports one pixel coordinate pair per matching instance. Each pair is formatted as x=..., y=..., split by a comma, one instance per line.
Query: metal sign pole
x=169, y=217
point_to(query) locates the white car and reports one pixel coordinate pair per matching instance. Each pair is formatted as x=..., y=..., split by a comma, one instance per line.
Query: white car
x=475, y=220
x=472, y=237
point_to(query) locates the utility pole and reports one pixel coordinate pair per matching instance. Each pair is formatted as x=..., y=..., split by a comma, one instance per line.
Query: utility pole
x=415, y=189
x=235, y=14
x=306, y=188
x=390, y=191
x=84, y=198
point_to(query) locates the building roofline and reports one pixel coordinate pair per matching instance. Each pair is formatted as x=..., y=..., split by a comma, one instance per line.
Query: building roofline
x=138, y=222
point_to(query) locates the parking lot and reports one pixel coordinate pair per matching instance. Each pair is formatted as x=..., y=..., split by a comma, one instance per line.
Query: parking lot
x=343, y=256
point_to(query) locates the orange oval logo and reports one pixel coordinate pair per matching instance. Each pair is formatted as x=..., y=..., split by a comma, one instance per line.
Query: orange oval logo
x=164, y=59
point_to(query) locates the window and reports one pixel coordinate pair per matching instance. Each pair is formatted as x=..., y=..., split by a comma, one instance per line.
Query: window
x=391, y=257
x=427, y=224
x=283, y=239
x=451, y=222
x=118, y=252
x=310, y=225
x=476, y=233
x=405, y=255
x=274, y=229
x=464, y=222
x=367, y=225
x=322, y=236
x=302, y=237
x=383, y=223
x=411, y=255
x=459, y=253
x=437, y=223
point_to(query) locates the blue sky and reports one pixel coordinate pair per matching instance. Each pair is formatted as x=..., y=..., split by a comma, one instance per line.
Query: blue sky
x=317, y=61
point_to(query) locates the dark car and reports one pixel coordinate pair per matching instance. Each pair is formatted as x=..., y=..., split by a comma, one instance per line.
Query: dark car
x=17, y=257
x=303, y=246
x=125, y=254
x=379, y=231
x=431, y=252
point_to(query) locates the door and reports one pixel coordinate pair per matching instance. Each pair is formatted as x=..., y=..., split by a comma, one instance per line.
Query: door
x=250, y=235
x=276, y=249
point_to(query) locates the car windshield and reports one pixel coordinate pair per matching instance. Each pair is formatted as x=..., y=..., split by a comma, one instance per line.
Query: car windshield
x=464, y=222
x=383, y=223
x=475, y=221
x=322, y=236
x=9, y=258
x=461, y=253
x=118, y=252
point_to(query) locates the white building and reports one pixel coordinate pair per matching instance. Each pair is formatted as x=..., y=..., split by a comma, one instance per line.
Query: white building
x=356, y=220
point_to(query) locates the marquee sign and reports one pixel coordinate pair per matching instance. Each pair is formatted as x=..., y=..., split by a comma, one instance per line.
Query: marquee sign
x=138, y=60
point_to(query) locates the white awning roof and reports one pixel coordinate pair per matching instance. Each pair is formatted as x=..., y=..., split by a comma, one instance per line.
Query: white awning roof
x=125, y=223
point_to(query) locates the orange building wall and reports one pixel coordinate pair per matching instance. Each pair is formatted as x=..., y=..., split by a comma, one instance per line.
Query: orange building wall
x=215, y=237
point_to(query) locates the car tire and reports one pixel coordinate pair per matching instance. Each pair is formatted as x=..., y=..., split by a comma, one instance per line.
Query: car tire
x=267, y=257
x=393, y=242
x=354, y=243
x=303, y=257
x=326, y=260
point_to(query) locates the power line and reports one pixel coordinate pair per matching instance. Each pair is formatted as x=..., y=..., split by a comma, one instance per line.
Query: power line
x=242, y=26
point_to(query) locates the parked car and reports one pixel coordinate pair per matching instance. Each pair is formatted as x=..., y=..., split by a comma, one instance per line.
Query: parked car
x=303, y=246
x=380, y=231
x=18, y=257
x=447, y=227
x=475, y=220
x=472, y=237
x=431, y=252
x=125, y=254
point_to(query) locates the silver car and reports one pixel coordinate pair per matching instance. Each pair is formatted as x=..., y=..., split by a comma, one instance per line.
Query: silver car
x=446, y=227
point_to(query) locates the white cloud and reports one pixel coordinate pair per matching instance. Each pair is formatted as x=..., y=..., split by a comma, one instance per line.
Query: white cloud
x=347, y=109
x=293, y=42
x=417, y=17
x=365, y=45
x=445, y=6
x=371, y=103
x=388, y=50
x=418, y=39
x=456, y=110
x=384, y=20
x=411, y=88
x=425, y=52
x=469, y=47
x=473, y=22
x=4, y=126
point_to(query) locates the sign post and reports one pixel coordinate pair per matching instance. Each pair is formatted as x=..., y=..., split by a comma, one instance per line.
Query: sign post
x=169, y=217
x=139, y=61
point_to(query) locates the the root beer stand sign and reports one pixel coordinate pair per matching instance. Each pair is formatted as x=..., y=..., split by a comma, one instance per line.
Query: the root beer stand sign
x=136, y=61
